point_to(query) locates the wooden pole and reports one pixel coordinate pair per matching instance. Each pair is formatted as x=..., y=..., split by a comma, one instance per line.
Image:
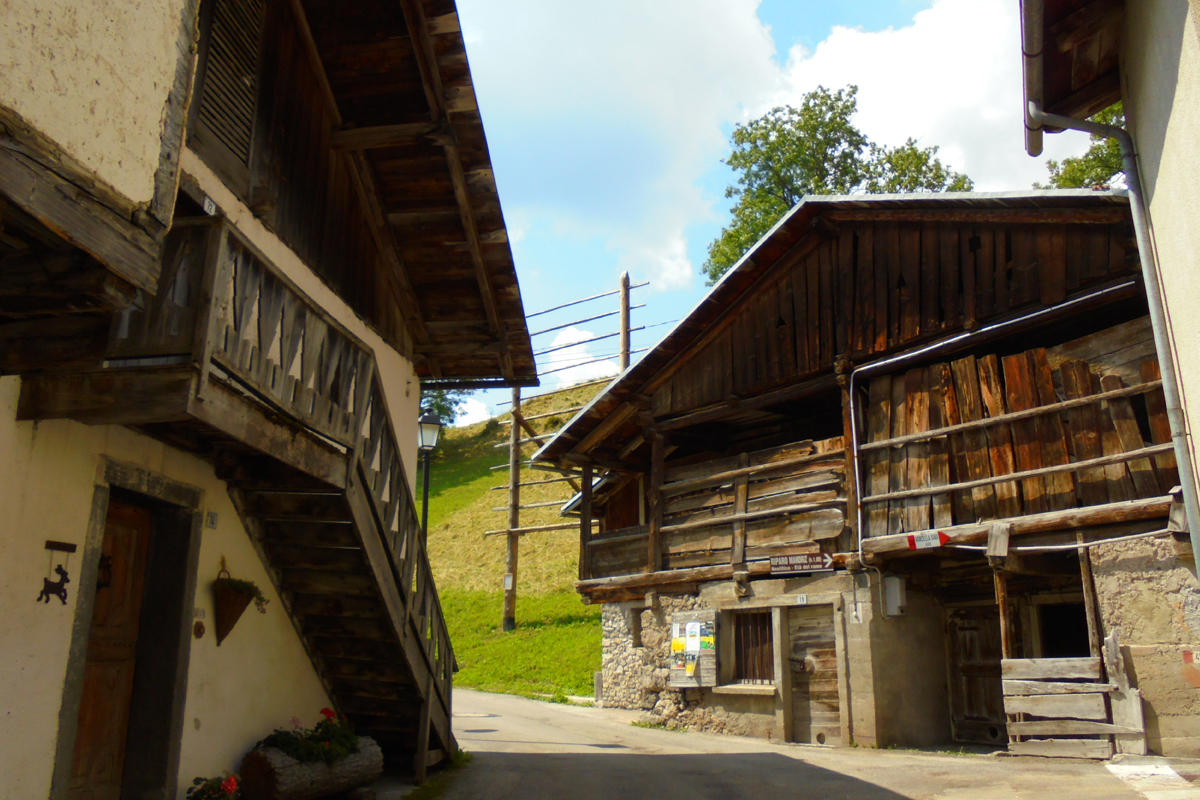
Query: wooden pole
x=1006, y=648
x=658, y=447
x=1090, y=604
x=624, y=320
x=585, y=521
x=514, y=516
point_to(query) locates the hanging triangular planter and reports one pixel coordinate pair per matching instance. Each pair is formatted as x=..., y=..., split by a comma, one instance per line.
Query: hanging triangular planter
x=230, y=602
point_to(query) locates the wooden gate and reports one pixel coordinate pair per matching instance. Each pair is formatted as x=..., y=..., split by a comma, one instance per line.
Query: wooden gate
x=976, y=699
x=1063, y=707
x=813, y=667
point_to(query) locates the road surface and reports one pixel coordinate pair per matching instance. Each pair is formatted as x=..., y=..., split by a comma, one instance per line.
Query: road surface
x=530, y=750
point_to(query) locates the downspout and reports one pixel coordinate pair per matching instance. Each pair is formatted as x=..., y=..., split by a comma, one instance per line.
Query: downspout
x=1154, y=298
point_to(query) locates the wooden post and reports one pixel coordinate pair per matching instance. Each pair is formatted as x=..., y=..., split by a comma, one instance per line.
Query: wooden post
x=514, y=515
x=624, y=320
x=1006, y=648
x=658, y=447
x=421, y=757
x=1090, y=604
x=741, y=497
x=585, y=521
x=851, y=457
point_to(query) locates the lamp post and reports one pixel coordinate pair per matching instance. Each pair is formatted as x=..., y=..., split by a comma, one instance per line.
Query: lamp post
x=428, y=429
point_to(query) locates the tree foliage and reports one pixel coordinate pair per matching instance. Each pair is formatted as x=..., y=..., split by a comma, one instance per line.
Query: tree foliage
x=1096, y=168
x=791, y=152
x=445, y=404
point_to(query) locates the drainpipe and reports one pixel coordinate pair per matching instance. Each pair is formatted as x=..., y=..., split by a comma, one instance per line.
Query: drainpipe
x=1154, y=297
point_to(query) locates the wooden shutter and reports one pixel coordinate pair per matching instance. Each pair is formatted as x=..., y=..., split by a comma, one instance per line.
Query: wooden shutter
x=224, y=121
x=754, y=648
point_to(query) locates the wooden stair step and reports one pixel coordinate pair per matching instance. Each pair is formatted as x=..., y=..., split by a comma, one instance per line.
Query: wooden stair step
x=332, y=559
x=313, y=534
x=359, y=649
x=338, y=606
x=301, y=506
x=376, y=671
x=350, y=628
x=385, y=691
x=313, y=581
x=380, y=707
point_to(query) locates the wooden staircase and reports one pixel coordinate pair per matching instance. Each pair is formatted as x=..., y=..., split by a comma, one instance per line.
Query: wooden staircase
x=228, y=360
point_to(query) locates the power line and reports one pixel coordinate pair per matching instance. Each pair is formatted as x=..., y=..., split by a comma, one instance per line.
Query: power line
x=584, y=300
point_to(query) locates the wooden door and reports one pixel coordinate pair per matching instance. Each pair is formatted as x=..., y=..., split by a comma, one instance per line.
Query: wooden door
x=812, y=662
x=976, y=691
x=111, y=651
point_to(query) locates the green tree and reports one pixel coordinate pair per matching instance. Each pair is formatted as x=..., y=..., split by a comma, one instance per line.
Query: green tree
x=1096, y=168
x=815, y=149
x=445, y=404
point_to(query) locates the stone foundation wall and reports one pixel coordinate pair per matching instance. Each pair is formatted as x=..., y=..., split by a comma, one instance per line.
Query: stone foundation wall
x=1147, y=592
x=636, y=676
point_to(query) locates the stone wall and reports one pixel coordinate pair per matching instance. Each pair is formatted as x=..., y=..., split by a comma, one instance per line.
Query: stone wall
x=636, y=676
x=1152, y=597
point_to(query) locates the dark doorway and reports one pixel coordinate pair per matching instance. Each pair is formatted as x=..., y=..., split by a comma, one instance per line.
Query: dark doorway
x=1064, y=630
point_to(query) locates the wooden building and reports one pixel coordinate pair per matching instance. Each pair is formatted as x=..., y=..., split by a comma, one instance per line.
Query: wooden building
x=224, y=280
x=812, y=470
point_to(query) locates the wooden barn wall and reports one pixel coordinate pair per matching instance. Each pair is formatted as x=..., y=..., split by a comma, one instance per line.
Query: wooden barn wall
x=877, y=287
x=300, y=187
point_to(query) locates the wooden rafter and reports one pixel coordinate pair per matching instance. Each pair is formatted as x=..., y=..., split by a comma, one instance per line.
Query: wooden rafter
x=435, y=95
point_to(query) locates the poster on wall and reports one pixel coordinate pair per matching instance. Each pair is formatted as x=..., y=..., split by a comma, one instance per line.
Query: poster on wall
x=693, y=652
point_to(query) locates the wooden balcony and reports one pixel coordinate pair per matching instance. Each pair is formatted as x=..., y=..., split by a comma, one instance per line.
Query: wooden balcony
x=232, y=362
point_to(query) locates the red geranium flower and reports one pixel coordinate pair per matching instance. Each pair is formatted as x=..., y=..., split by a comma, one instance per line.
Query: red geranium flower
x=229, y=785
x=328, y=713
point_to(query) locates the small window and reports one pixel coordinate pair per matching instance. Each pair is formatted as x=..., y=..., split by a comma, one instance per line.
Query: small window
x=753, y=646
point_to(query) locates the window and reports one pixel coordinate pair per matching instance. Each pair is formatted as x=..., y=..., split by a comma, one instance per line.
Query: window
x=753, y=647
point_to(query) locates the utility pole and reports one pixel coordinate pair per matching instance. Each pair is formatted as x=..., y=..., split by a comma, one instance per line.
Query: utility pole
x=514, y=514
x=624, y=321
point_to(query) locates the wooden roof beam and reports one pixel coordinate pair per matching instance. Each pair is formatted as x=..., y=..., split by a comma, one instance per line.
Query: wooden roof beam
x=383, y=136
x=419, y=30
x=1079, y=26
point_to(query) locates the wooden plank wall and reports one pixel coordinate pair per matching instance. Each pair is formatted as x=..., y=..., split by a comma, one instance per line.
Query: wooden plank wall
x=877, y=287
x=970, y=389
x=702, y=498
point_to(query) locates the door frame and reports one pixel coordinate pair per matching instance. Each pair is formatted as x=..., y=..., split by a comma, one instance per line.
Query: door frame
x=153, y=761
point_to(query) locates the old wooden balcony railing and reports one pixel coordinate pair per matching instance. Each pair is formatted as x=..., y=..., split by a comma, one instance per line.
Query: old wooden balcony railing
x=1033, y=438
x=230, y=359
x=732, y=513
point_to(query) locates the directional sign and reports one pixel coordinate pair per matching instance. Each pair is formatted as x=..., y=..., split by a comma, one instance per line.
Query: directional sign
x=926, y=540
x=803, y=562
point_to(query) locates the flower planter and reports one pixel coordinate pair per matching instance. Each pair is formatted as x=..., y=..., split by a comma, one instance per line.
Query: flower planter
x=268, y=773
x=230, y=599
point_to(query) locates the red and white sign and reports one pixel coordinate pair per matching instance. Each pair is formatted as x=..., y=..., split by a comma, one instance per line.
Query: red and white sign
x=926, y=540
x=802, y=562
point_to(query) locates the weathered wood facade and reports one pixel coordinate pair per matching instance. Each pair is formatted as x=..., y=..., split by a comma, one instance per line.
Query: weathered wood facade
x=855, y=395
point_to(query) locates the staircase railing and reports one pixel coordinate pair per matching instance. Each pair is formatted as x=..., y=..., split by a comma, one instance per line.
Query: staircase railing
x=222, y=306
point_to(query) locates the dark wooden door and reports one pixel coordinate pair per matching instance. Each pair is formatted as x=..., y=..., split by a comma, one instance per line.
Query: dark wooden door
x=112, y=647
x=812, y=662
x=976, y=691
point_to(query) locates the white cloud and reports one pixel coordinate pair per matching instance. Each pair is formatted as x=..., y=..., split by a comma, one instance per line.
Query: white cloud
x=952, y=78
x=616, y=119
x=577, y=363
x=472, y=411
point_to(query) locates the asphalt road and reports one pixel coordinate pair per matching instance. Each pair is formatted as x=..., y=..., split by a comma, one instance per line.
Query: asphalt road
x=531, y=750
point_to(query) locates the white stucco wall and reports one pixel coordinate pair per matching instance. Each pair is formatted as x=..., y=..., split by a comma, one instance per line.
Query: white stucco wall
x=1161, y=74
x=258, y=679
x=400, y=382
x=93, y=78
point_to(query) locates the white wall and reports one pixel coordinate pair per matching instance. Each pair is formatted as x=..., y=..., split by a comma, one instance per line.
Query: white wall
x=256, y=680
x=93, y=77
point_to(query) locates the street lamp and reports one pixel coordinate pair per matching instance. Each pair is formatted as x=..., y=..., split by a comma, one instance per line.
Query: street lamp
x=428, y=429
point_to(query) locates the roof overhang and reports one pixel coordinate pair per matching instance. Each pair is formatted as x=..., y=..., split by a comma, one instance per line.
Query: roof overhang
x=1069, y=59
x=396, y=75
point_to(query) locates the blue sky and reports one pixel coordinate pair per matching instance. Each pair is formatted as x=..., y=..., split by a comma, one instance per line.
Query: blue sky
x=607, y=123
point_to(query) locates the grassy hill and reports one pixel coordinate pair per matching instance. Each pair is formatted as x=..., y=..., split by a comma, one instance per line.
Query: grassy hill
x=556, y=646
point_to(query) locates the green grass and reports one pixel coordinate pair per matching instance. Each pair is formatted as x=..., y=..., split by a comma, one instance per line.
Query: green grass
x=554, y=650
